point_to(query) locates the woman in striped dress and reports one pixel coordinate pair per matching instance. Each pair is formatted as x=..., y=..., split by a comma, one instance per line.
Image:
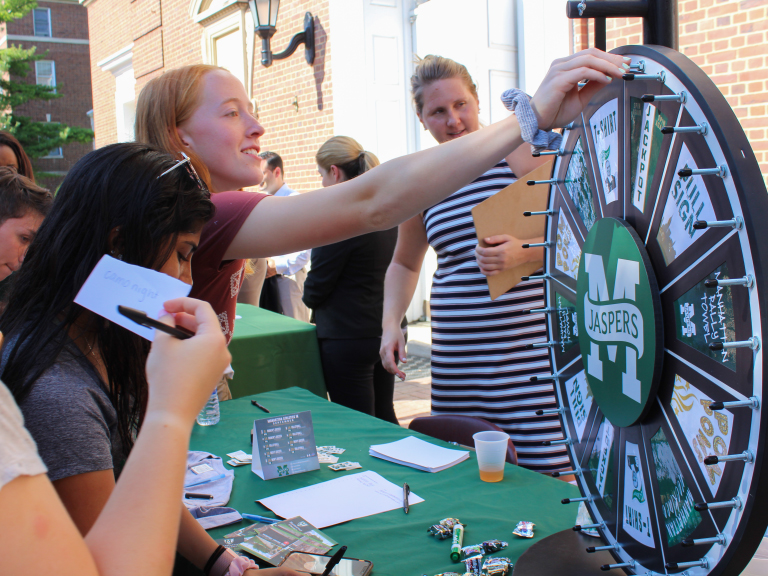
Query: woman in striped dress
x=480, y=366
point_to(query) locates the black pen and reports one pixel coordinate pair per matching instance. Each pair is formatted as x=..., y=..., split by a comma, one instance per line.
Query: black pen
x=335, y=559
x=406, y=492
x=198, y=496
x=140, y=317
x=260, y=406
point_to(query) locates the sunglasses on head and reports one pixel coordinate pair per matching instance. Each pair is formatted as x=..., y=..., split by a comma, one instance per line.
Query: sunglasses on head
x=186, y=161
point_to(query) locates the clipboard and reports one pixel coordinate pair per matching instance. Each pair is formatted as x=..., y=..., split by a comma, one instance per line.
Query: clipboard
x=502, y=213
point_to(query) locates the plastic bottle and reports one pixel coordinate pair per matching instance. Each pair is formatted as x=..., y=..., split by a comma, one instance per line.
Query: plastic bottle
x=210, y=415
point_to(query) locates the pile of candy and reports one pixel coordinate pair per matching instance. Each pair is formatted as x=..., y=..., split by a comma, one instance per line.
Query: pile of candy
x=524, y=529
x=444, y=529
x=488, y=547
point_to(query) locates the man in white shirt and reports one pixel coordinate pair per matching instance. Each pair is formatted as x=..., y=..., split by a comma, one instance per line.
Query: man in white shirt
x=290, y=269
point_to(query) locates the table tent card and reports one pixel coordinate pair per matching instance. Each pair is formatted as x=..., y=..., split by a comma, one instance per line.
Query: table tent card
x=284, y=445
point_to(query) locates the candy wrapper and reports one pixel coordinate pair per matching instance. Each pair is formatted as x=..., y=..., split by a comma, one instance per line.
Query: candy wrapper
x=488, y=547
x=524, y=529
x=474, y=564
x=447, y=574
x=497, y=566
x=444, y=529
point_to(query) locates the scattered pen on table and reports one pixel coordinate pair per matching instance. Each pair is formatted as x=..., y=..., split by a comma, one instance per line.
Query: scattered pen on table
x=257, y=518
x=335, y=559
x=406, y=493
x=260, y=406
x=198, y=496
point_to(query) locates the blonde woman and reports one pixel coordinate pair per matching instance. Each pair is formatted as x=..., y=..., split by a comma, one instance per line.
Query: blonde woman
x=205, y=112
x=345, y=290
x=480, y=366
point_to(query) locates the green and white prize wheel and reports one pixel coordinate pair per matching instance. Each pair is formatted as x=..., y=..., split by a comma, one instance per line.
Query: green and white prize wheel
x=657, y=225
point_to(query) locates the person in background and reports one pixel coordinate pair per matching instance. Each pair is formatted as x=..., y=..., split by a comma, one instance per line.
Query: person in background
x=141, y=513
x=12, y=154
x=80, y=380
x=23, y=205
x=345, y=289
x=480, y=365
x=288, y=272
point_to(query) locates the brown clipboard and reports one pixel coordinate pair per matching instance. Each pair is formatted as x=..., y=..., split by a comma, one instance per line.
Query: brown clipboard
x=502, y=213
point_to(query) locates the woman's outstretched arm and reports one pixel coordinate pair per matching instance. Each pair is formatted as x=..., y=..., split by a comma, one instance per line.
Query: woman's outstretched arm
x=401, y=188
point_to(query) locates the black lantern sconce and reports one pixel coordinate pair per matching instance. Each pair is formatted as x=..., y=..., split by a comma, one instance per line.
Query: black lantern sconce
x=265, y=18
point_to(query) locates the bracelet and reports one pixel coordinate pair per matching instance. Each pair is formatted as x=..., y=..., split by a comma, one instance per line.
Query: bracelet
x=517, y=101
x=213, y=560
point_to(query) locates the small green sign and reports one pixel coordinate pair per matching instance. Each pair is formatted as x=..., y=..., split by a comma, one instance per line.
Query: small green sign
x=619, y=321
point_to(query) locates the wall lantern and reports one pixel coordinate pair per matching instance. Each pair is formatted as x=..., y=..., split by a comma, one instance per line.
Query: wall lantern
x=265, y=18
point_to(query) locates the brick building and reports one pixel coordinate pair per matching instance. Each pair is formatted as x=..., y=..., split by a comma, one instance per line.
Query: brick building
x=59, y=28
x=728, y=39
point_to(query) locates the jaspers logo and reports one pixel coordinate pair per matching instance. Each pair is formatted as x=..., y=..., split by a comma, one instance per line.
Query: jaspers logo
x=619, y=318
x=614, y=323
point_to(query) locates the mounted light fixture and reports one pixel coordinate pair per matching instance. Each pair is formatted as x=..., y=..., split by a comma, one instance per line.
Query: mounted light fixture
x=265, y=18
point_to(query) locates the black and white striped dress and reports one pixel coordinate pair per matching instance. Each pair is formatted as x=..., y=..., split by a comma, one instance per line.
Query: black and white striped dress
x=479, y=363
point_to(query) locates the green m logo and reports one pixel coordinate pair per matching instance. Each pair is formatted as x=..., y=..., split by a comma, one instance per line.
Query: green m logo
x=619, y=321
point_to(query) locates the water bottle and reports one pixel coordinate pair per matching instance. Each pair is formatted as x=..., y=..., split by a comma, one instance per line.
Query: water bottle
x=210, y=415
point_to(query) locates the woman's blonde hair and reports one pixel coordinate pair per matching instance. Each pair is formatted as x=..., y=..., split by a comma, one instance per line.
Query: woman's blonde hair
x=167, y=102
x=432, y=68
x=347, y=155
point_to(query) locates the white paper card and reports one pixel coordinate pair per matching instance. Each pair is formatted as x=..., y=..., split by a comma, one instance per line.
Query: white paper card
x=339, y=500
x=114, y=283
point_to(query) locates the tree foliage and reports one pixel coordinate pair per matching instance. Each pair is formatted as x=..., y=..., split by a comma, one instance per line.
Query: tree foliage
x=37, y=138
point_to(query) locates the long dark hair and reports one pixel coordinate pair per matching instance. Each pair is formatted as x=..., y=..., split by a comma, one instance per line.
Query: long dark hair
x=25, y=164
x=113, y=188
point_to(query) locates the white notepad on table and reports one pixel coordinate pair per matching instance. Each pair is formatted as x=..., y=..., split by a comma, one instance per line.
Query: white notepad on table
x=416, y=453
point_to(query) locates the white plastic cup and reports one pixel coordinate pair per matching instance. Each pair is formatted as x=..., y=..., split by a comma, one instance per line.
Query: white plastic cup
x=491, y=449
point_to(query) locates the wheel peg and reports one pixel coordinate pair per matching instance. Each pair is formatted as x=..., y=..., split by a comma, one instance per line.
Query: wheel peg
x=737, y=223
x=606, y=567
x=703, y=563
x=537, y=182
x=702, y=129
x=745, y=456
x=660, y=77
x=721, y=171
x=753, y=343
x=688, y=542
x=734, y=503
x=752, y=402
x=540, y=213
x=747, y=281
x=665, y=97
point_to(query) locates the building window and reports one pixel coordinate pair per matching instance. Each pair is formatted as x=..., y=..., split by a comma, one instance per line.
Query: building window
x=42, y=21
x=45, y=72
x=55, y=153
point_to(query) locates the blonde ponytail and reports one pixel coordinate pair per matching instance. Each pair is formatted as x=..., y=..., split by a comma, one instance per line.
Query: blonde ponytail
x=347, y=155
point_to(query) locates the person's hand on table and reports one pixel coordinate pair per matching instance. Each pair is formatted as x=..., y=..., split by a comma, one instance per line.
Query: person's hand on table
x=271, y=268
x=392, y=348
x=559, y=100
x=183, y=373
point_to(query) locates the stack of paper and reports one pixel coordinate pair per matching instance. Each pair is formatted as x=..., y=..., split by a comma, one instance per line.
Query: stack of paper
x=418, y=454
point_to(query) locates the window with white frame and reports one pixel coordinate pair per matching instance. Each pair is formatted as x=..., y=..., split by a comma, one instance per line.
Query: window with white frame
x=45, y=73
x=41, y=18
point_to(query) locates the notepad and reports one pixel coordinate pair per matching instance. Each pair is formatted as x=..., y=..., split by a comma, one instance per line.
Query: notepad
x=416, y=453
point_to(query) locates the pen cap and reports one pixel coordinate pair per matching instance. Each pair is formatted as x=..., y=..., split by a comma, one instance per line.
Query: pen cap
x=455, y=556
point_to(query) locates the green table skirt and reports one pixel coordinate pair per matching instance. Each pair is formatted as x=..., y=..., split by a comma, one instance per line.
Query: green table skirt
x=271, y=351
x=398, y=544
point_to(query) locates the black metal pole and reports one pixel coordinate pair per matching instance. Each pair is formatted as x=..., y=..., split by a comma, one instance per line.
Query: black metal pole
x=600, y=41
x=660, y=25
x=608, y=8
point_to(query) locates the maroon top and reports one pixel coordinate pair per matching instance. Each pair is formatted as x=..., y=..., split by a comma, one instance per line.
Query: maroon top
x=215, y=280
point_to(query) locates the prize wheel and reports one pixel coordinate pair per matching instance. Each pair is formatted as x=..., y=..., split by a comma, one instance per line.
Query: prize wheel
x=655, y=308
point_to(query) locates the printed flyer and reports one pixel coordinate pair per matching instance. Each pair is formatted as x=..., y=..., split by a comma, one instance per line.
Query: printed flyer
x=577, y=184
x=579, y=401
x=605, y=135
x=566, y=322
x=637, y=517
x=687, y=202
x=708, y=432
x=601, y=461
x=568, y=251
x=645, y=137
x=676, y=498
x=705, y=315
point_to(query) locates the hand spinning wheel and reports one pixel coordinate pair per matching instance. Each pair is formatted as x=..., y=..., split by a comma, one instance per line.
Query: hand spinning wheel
x=655, y=305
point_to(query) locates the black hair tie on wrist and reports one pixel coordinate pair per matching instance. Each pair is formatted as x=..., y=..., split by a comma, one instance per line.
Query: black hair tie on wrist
x=212, y=560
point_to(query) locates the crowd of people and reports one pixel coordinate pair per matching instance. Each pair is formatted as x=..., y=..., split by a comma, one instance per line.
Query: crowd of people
x=87, y=407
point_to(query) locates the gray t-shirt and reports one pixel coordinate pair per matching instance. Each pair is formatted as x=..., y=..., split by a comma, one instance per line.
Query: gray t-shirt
x=18, y=455
x=72, y=420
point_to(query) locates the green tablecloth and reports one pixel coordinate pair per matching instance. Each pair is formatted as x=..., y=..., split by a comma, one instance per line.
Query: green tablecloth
x=398, y=544
x=271, y=351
